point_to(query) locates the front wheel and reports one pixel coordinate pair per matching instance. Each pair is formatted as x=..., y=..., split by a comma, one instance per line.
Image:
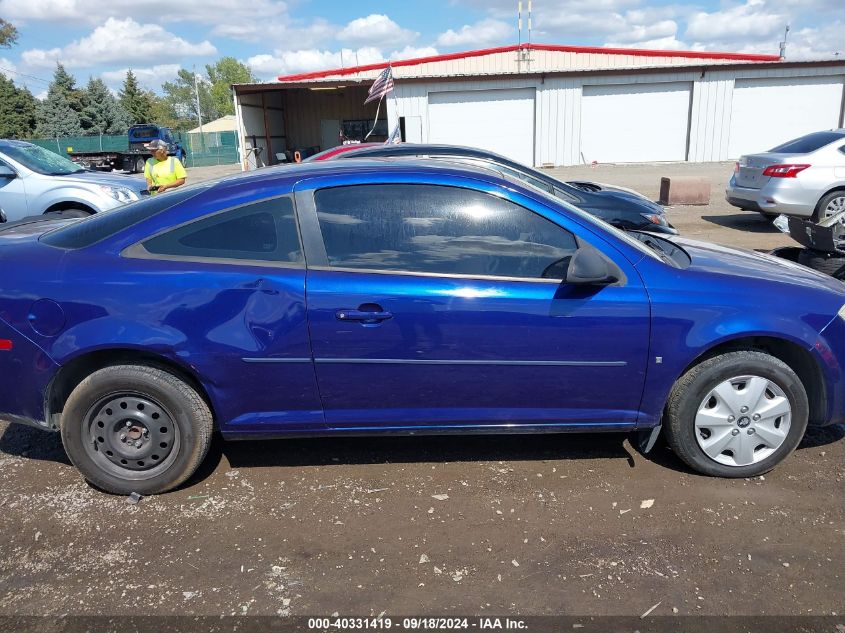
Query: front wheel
x=738, y=414
x=135, y=428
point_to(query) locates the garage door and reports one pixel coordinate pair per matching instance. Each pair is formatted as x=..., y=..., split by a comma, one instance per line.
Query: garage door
x=501, y=121
x=768, y=112
x=635, y=122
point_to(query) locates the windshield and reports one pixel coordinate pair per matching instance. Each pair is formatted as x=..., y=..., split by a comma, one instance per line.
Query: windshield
x=596, y=222
x=41, y=161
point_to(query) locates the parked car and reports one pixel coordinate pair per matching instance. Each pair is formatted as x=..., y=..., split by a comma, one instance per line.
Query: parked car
x=803, y=178
x=623, y=208
x=34, y=180
x=440, y=298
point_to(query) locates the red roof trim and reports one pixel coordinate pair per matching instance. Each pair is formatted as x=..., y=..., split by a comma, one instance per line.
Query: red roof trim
x=636, y=52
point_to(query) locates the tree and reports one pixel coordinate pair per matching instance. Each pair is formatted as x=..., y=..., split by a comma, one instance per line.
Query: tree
x=181, y=96
x=65, y=82
x=17, y=110
x=8, y=34
x=222, y=74
x=135, y=102
x=58, y=114
x=102, y=113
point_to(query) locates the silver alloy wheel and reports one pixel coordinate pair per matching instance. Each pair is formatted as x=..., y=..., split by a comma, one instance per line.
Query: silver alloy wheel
x=743, y=421
x=834, y=206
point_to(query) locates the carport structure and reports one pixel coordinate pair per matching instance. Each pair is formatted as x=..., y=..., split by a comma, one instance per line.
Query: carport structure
x=552, y=105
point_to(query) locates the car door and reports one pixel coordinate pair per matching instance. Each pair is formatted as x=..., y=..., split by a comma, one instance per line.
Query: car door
x=428, y=308
x=13, y=193
x=233, y=284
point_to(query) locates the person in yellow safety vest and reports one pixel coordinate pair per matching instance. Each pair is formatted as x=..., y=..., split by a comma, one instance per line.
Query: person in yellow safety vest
x=163, y=172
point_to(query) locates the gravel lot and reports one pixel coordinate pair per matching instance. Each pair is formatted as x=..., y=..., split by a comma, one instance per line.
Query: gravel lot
x=574, y=524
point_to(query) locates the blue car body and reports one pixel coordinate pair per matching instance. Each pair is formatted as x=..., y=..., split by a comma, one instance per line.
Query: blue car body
x=267, y=347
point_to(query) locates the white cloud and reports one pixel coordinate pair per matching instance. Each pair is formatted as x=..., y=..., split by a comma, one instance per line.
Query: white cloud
x=375, y=30
x=483, y=33
x=150, y=78
x=644, y=33
x=93, y=11
x=738, y=23
x=306, y=35
x=669, y=43
x=412, y=52
x=8, y=68
x=117, y=41
x=283, y=62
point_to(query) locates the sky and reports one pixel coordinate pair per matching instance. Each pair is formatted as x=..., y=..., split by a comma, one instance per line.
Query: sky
x=102, y=38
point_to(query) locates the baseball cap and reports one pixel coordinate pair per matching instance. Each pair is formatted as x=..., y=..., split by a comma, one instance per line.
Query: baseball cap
x=156, y=145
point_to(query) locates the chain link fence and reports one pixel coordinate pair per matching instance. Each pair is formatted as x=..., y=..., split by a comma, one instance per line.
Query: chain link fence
x=202, y=150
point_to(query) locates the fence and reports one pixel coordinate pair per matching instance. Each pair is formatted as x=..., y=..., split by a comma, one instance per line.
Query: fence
x=202, y=150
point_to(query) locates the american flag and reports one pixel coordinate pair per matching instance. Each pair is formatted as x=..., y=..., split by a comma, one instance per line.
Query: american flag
x=381, y=86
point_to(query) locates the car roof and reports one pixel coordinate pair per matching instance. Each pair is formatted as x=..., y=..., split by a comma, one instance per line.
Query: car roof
x=292, y=173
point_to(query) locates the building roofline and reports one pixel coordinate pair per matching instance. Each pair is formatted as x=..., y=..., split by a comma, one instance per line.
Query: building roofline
x=636, y=52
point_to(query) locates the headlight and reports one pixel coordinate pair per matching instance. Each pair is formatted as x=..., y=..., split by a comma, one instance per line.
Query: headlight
x=656, y=218
x=841, y=313
x=121, y=194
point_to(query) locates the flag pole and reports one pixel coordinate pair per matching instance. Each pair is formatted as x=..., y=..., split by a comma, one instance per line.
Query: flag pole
x=378, y=108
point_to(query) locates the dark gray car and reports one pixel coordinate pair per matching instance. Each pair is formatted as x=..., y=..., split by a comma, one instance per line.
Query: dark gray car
x=622, y=208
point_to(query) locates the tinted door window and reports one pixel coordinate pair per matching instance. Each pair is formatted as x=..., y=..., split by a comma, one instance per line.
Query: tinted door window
x=264, y=231
x=434, y=229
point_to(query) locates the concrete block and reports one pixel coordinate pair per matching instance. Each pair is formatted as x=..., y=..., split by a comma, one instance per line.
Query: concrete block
x=684, y=190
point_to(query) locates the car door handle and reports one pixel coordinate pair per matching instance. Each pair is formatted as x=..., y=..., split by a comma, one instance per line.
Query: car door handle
x=366, y=316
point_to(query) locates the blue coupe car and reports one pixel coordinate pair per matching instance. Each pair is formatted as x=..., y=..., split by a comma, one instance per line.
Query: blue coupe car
x=370, y=296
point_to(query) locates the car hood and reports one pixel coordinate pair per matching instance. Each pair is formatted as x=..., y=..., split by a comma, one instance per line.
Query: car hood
x=740, y=262
x=99, y=178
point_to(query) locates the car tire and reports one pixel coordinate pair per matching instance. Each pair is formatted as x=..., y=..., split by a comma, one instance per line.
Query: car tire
x=835, y=200
x=827, y=263
x=768, y=216
x=698, y=416
x=136, y=428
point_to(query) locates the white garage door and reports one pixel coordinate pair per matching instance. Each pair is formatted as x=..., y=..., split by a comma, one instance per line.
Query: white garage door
x=768, y=112
x=632, y=123
x=501, y=121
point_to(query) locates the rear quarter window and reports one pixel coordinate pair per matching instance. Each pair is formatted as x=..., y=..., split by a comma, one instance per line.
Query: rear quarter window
x=107, y=223
x=808, y=143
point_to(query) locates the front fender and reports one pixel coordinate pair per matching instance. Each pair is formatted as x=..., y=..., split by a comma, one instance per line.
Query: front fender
x=72, y=194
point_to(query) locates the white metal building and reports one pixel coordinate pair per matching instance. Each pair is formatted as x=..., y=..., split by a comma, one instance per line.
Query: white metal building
x=554, y=105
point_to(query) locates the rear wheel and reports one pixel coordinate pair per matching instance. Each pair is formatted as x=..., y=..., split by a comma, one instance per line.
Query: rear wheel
x=828, y=263
x=139, y=165
x=829, y=205
x=134, y=428
x=736, y=415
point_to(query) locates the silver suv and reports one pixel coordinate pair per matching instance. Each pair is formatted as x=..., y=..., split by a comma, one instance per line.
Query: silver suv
x=34, y=180
x=804, y=177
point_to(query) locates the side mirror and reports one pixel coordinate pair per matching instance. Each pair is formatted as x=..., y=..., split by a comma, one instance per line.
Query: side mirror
x=2, y=216
x=589, y=267
x=7, y=172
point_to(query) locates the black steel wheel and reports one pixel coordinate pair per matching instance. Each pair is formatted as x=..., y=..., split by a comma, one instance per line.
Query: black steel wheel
x=135, y=428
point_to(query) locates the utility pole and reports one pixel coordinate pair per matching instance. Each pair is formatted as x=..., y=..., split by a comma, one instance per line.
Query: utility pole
x=783, y=44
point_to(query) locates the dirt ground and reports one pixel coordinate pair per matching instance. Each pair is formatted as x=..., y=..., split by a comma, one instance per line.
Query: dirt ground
x=568, y=524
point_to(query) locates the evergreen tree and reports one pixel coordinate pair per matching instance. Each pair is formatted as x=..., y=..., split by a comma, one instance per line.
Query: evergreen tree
x=17, y=110
x=135, y=102
x=222, y=74
x=102, y=113
x=65, y=82
x=58, y=114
